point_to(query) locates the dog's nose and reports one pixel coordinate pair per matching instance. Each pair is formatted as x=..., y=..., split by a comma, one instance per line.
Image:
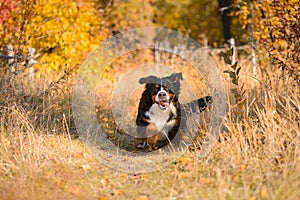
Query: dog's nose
x=162, y=94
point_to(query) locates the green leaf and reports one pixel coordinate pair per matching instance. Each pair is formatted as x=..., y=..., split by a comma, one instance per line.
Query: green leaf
x=238, y=71
x=226, y=57
x=235, y=81
x=234, y=65
x=231, y=74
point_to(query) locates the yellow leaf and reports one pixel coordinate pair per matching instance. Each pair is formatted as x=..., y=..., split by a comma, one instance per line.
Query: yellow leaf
x=184, y=175
x=74, y=190
x=243, y=167
x=183, y=160
x=86, y=167
x=104, y=181
x=102, y=197
x=142, y=197
x=263, y=193
x=204, y=181
x=117, y=192
x=79, y=155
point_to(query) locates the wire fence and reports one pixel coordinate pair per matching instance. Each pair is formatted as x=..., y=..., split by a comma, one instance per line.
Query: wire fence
x=14, y=59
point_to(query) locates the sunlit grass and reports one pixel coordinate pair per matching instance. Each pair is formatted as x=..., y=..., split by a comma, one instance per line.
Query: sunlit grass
x=257, y=156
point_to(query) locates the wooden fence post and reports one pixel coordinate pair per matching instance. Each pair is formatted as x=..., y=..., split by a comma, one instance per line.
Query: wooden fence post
x=232, y=47
x=31, y=62
x=157, y=55
x=174, y=54
x=11, y=61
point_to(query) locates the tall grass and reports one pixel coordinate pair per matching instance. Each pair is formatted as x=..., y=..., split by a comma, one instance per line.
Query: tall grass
x=257, y=156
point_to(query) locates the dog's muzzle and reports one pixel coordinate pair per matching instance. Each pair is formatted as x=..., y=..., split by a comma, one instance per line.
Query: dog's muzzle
x=162, y=94
x=162, y=98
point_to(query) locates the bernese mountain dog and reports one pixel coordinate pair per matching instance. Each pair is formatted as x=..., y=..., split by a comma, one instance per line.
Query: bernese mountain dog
x=160, y=113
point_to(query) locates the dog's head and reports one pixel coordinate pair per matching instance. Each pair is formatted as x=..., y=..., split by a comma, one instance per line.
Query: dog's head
x=162, y=90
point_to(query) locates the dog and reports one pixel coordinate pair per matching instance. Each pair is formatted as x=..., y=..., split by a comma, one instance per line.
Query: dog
x=160, y=113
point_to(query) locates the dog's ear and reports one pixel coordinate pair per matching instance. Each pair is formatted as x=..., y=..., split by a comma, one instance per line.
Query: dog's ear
x=176, y=76
x=149, y=79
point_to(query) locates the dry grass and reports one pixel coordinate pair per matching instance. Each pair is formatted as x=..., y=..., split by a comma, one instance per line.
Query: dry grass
x=257, y=157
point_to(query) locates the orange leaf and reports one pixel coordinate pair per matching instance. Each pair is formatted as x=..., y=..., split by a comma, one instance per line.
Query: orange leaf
x=142, y=197
x=102, y=197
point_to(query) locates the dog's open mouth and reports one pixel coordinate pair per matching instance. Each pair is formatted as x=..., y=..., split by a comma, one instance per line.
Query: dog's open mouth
x=163, y=104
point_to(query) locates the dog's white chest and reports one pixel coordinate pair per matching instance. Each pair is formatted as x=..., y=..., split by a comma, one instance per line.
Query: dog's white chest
x=158, y=116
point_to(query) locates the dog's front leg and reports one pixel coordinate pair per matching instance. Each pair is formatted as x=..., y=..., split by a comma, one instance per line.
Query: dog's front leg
x=152, y=137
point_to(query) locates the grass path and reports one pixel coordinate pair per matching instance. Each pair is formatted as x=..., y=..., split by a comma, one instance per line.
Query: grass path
x=257, y=157
x=55, y=167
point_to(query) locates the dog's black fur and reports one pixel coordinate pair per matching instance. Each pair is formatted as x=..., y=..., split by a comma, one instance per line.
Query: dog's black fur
x=159, y=119
x=150, y=110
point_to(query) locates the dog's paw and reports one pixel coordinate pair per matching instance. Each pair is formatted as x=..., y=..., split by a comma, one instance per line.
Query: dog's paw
x=185, y=138
x=152, y=148
x=144, y=145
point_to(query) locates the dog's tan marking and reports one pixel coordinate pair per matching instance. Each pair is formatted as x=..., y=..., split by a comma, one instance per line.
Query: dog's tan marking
x=152, y=137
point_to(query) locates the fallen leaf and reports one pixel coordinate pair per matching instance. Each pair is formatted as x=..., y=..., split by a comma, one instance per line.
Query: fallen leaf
x=173, y=192
x=243, y=167
x=183, y=175
x=263, y=193
x=79, y=155
x=188, y=166
x=57, y=180
x=204, y=181
x=74, y=190
x=117, y=192
x=86, y=167
x=183, y=160
x=104, y=181
x=102, y=197
x=142, y=197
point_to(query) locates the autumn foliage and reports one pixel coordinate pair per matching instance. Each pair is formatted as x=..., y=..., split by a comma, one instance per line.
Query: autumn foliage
x=276, y=28
x=6, y=7
x=62, y=32
x=256, y=155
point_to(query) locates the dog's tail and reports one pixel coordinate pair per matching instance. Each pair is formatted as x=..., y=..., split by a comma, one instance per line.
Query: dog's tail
x=197, y=105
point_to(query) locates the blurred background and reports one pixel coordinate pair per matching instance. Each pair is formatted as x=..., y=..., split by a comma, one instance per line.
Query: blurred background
x=64, y=32
x=43, y=44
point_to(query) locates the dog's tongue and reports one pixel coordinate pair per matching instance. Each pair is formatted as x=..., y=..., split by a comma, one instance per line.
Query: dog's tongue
x=164, y=104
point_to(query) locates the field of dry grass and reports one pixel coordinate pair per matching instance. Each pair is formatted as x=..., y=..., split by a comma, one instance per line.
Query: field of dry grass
x=256, y=157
